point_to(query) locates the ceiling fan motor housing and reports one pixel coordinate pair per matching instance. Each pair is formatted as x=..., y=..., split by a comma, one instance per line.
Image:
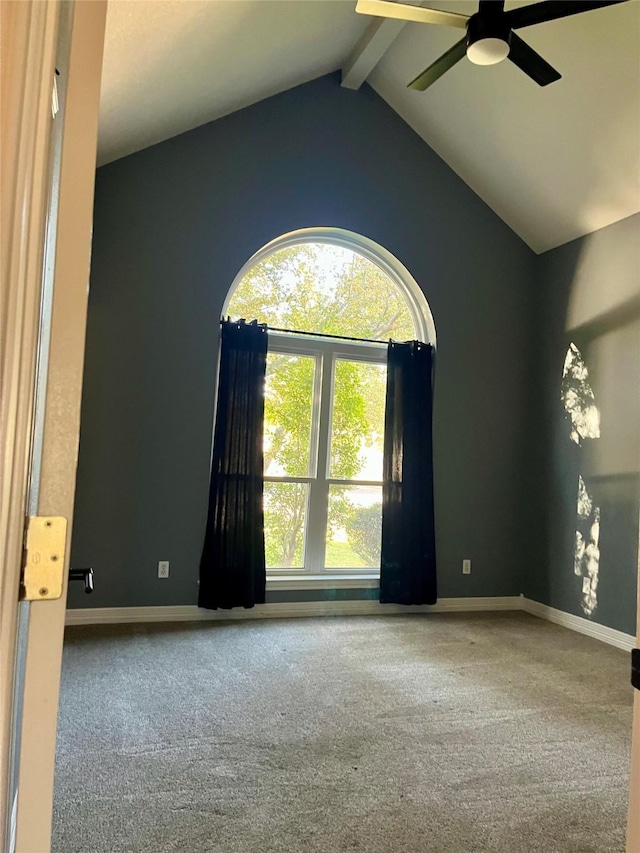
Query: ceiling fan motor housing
x=488, y=39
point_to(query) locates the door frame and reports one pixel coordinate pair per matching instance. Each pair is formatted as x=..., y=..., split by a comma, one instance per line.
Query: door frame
x=633, y=823
x=29, y=43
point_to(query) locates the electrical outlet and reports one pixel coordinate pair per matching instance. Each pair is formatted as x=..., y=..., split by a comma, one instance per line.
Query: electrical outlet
x=163, y=569
x=466, y=567
x=586, y=585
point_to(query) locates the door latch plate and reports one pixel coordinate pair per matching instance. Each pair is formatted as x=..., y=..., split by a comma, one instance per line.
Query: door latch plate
x=42, y=572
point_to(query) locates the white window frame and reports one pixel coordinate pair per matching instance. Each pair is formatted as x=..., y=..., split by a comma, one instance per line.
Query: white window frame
x=407, y=285
x=327, y=350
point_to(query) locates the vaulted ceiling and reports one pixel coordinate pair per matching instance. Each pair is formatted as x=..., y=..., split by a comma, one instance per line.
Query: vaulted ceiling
x=554, y=163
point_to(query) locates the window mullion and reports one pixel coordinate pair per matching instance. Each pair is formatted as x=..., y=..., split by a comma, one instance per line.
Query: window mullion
x=319, y=491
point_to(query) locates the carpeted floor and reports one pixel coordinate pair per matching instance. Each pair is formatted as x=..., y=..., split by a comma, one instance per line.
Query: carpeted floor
x=447, y=734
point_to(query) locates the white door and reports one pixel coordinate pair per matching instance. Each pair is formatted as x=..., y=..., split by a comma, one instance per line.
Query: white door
x=46, y=238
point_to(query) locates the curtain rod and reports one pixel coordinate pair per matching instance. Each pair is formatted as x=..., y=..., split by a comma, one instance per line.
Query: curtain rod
x=318, y=335
x=326, y=335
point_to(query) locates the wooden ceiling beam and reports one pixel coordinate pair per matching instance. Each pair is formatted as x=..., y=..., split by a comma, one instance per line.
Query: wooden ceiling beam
x=376, y=40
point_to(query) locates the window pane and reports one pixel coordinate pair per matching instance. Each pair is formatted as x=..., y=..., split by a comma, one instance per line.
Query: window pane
x=287, y=416
x=285, y=524
x=357, y=422
x=317, y=287
x=354, y=527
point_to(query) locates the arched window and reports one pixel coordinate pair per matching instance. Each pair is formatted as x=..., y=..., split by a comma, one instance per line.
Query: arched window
x=325, y=391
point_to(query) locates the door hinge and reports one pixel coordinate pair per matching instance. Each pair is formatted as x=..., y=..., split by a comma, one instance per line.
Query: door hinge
x=43, y=562
x=635, y=668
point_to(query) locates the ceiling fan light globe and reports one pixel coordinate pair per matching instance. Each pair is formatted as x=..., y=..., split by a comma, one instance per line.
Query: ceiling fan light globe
x=488, y=51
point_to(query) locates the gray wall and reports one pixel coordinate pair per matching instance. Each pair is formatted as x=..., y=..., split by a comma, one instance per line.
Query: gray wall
x=174, y=224
x=589, y=294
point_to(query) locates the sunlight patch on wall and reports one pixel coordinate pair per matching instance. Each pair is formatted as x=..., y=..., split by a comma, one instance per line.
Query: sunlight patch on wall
x=580, y=406
x=586, y=560
x=577, y=396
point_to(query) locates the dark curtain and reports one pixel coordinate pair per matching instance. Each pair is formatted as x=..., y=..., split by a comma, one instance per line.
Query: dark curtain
x=232, y=568
x=408, y=558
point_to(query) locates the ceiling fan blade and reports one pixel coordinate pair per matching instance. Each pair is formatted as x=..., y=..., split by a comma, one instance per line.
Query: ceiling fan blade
x=531, y=62
x=404, y=12
x=438, y=68
x=549, y=10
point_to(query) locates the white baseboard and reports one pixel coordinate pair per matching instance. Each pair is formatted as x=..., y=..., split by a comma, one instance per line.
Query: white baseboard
x=578, y=623
x=283, y=610
x=289, y=610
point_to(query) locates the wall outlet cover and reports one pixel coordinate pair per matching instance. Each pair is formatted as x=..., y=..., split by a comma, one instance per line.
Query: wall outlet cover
x=163, y=569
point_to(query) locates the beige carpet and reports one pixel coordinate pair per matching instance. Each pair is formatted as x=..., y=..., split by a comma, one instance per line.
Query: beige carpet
x=448, y=734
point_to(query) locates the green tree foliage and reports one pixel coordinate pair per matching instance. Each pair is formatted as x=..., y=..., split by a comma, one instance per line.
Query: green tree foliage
x=285, y=507
x=288, y=402
x=364, y=533
x=320, y=288
x=350, y=424
x=325, y=289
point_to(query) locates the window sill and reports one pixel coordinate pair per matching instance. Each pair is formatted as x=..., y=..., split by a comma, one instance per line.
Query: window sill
x=342, y=580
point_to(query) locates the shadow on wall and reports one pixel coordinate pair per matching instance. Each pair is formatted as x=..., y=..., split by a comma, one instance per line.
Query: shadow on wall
x=589, y=423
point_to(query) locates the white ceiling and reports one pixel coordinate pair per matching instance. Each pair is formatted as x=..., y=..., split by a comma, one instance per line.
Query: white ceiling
x=554, y=163
x=171, y=65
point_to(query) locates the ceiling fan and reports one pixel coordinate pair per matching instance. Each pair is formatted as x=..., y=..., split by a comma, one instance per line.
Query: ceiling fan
x=490, y=37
